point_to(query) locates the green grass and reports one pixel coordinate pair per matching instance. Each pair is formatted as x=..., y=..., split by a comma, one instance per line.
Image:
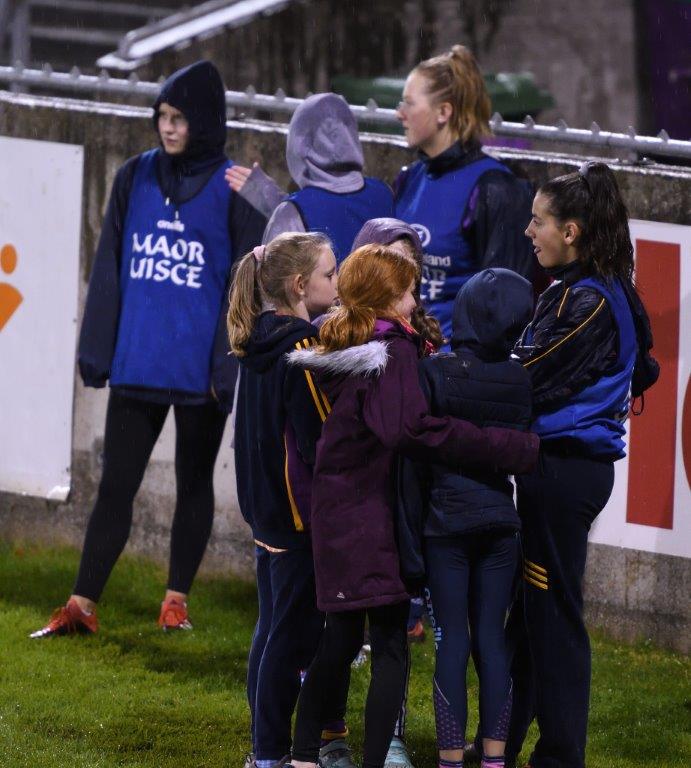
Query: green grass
x=132, y=696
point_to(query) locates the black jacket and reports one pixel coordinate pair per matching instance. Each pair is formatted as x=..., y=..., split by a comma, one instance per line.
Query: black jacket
x=195, y=91
x=278, y=421
x=574, y=341
x=478, y=382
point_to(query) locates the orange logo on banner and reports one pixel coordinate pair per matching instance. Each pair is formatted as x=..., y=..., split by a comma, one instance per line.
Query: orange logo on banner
x=10, y=297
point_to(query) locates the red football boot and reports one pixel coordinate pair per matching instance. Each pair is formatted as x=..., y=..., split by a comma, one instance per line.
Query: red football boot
x=69, y=619
x=174, y=615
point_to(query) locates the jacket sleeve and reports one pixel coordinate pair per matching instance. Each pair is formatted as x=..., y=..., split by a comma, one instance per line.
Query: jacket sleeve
x=306, y=408
x=286, y=218
x=395, y=410
x=245, y=226
x=262, y=192
x=498, y=213
x=102, y=309
x=413, y=487
x=411, y=512
x=572, y=347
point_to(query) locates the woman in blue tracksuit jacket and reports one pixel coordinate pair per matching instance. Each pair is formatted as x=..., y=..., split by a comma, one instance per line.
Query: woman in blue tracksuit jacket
x=469, y=209
x=154, y=328
x=580, y=350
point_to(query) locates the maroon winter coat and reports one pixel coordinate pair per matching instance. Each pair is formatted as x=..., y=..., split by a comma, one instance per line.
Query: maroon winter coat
x=378, y=409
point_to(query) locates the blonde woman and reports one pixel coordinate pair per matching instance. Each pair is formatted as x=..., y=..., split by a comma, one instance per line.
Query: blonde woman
x=468, y=209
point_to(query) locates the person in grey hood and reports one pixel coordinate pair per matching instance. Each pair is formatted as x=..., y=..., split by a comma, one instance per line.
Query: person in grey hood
x=325, y=160
x=459, y=528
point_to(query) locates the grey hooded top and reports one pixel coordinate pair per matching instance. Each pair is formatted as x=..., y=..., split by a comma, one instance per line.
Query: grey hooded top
x=323, y=150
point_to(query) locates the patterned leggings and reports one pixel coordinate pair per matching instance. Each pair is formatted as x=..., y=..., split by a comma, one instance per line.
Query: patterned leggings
x=469, y=590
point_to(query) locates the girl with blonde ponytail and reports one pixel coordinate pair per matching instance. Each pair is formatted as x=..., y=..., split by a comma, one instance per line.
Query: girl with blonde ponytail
x=468, y=208
x=367, y=367
x=276, y=289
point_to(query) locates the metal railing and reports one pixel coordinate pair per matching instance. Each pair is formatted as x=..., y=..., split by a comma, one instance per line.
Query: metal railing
x=198, y=22
x=75, y=82
x=16, y=16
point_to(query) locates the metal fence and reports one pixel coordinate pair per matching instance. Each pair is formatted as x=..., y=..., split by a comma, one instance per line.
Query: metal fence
x=21, y=78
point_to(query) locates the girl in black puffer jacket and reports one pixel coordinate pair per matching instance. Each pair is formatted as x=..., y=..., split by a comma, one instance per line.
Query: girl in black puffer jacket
x=469, y=525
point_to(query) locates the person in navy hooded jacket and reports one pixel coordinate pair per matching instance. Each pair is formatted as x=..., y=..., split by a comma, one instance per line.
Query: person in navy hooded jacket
x=154, y=328
x=465, y=522
x=279, y=415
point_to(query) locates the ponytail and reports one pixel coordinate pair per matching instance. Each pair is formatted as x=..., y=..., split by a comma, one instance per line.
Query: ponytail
x=347, y=327
x=263, y=276
x=370, y=281
x=427, y=326
x=593, y=199
x=245, y=303
x=455, y=77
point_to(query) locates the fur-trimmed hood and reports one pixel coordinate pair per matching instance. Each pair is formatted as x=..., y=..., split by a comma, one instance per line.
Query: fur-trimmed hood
x=363, y=360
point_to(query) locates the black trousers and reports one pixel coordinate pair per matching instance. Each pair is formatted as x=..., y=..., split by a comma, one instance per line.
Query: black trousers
x=340, y=642
x=551, y=665
x=132, y=428
x=285, y=640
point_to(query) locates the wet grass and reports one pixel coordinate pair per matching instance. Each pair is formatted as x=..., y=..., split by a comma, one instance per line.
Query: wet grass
x=132, y=696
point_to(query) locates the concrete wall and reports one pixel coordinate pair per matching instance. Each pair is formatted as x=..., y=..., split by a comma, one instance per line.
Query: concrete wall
x=632, y=594
x=583, y=53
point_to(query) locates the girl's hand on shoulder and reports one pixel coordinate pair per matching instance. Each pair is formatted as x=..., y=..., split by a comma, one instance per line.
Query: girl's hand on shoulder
x=237, y=176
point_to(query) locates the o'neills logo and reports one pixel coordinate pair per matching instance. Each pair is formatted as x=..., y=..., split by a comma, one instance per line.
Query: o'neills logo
x=154, y=258
x=176, y=226
x=423, y=233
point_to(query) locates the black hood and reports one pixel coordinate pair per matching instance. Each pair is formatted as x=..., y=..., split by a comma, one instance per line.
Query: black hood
x=274, y=335
x=198, y=92
x=490, y=312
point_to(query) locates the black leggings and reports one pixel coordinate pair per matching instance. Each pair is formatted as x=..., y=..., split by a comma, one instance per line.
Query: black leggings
x=340, y=642
x=132, y=428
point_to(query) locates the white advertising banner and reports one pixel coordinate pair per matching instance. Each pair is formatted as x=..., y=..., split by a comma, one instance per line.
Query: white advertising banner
x=650, y=507
x=40, y=227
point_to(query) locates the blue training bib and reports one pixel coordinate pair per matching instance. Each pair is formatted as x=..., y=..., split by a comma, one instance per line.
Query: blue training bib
x=435, y=208
x=341, y=216
x=174, y=270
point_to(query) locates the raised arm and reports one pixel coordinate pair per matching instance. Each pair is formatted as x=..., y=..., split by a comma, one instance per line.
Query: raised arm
x=396, y=411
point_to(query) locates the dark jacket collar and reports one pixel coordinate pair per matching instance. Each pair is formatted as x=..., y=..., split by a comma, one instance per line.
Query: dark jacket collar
x=182, y=179
x=456, y=156
x=569, y=274
x=272, y=336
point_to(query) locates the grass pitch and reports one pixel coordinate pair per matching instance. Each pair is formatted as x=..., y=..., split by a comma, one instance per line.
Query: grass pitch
x=134, y=696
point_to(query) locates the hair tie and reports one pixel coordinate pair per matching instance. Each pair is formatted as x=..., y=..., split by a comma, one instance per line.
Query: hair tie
x=258, y=252
x=582, y=172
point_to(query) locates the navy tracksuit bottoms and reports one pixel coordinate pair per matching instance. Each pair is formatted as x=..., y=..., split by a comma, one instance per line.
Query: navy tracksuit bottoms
x=557, y=504
x=285, y=640
x=469, y=589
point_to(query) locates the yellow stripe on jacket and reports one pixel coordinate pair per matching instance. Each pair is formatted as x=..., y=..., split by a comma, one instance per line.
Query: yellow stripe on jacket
x=297, y=520
x=320, y=401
